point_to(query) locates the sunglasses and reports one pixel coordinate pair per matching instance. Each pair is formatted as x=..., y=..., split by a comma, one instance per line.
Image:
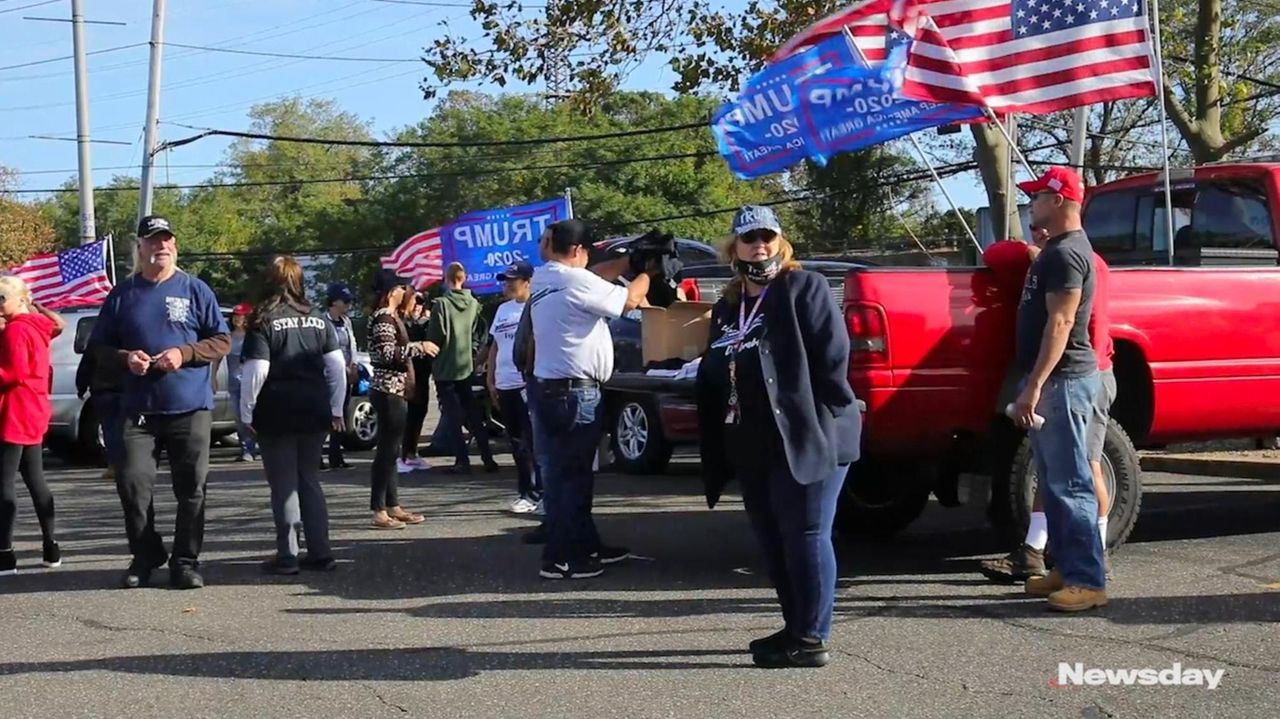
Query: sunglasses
x=755, y=236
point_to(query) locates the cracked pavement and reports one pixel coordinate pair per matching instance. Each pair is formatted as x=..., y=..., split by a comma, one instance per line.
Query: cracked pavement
x=450, y=619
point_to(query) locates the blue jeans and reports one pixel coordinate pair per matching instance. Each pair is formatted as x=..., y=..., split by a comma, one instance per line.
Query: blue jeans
x=110, y=413
x=1066, y=481
x=567, y=425
x=792, y=522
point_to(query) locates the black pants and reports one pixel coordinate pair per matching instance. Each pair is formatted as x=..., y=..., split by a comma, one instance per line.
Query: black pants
x=458, y=407
x=515, y=414
x=415, y=418
x=391, y=411
x=336, y=438
x=26, y=460
x=185, y=439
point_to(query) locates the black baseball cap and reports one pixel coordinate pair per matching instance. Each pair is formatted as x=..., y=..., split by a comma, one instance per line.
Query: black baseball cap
x=516, y=271
x=567, y=233
x=152, y=225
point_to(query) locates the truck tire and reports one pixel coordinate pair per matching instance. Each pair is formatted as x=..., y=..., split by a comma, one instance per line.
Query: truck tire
x=880, y=499
x=638, y=444
x=1123, y=470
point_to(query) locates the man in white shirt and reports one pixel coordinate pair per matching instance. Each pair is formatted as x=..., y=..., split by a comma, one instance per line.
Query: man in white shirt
x=570, y=309
x=507, y=386
x=339, y=298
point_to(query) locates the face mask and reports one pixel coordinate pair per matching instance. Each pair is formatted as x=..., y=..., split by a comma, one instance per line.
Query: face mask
x=760, y=272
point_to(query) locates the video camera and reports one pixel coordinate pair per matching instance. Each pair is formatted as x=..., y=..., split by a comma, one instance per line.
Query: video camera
x=655, y=252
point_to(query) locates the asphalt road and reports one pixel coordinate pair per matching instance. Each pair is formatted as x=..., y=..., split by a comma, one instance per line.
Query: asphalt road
x=449, y=618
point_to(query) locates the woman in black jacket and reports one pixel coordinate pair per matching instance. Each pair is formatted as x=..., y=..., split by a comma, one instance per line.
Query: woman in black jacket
x=776, y=411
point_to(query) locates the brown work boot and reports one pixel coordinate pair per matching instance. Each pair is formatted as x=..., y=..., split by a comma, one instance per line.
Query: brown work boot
x=1021, y=564
x=1077, y=599
x=1044, y=586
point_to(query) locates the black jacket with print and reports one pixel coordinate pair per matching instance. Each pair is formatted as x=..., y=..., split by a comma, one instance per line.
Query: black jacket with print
x=804, y=355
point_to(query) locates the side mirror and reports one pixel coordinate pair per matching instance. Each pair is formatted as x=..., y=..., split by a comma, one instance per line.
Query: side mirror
x=84, y=330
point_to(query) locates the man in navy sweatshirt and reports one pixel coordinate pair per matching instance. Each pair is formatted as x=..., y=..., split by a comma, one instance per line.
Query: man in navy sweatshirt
x=165, y=328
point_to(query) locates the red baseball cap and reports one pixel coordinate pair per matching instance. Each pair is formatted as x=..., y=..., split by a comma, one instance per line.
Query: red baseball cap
x=244, y=308
x=1057, y=179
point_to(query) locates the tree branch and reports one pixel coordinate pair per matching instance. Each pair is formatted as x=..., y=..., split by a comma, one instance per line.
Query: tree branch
x=1178, y=114
x=1240, y=140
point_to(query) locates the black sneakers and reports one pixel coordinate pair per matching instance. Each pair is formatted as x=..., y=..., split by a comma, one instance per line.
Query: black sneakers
x=185, y=577
x=571, y=570
x=774, y=642
x=610, y=555
x=52, y=555
x=280, y=567
x=793, y=653
x=8, y=563
x=319, y=564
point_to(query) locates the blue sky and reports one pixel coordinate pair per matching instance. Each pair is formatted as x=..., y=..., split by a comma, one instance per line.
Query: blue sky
x=216, y=89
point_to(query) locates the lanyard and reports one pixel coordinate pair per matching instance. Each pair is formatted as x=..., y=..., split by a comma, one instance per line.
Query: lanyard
x=744, y=322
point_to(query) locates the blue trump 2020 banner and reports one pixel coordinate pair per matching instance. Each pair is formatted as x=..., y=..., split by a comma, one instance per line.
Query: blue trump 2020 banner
x=818, y=103
x=487, y=241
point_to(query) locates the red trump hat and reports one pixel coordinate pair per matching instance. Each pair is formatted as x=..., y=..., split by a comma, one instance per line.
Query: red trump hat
x=1059, y=180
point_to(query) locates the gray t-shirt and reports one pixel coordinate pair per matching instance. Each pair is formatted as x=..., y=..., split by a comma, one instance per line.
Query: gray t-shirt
x=1065, y=264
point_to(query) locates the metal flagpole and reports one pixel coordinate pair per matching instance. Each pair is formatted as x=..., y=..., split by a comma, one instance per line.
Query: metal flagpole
x=1011, y=214
x=568, y=200
x=110, y=239
x=1164, y=129
x=848, y=36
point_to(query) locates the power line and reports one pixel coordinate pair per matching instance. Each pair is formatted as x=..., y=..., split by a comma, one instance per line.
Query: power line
x=294, y=56
x=399, y=176
x=69, y=57
x=209, y=132
x=24, y=7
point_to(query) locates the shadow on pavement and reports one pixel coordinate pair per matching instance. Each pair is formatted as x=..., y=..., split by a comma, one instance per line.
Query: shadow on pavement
x=406, y=664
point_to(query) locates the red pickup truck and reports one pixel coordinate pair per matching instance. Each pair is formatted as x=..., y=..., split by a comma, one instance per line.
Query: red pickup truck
x=1196, y=330
x=1197, y=335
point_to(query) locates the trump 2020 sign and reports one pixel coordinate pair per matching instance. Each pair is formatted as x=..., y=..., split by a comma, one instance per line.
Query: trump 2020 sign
x=487, y=241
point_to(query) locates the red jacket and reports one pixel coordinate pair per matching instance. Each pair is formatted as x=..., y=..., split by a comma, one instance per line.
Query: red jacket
x=24, y=379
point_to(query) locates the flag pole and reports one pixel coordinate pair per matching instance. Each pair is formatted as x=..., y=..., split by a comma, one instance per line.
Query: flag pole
x=1164, y=128
x=568, y=200
x=111, y=257
x=848, y=36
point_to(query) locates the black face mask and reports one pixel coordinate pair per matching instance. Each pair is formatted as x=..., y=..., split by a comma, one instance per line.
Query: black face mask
x=760, y=272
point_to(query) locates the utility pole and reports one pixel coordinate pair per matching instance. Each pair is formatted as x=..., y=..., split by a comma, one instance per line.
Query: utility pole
x=88, y=233
x=1079, y=131
x=153, y=111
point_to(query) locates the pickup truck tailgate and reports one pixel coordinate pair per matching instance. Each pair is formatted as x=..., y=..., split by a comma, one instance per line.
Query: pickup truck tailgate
x=931, y=347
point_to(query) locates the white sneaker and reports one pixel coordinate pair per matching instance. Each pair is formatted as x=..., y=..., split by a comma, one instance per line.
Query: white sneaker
x=404, y=467
x=523, y=506
x=420, y=463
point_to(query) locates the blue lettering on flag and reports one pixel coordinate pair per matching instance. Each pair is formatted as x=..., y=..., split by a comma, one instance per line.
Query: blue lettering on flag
x=487, y=241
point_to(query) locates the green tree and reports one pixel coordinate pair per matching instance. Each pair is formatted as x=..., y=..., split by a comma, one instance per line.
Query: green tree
x=24, y=230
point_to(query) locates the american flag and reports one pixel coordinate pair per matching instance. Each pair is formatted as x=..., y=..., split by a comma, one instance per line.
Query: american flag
x=418, y=259
x=68, y=278
x=1033, y=56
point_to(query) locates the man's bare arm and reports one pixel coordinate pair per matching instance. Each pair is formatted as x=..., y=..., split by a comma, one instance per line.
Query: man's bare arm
x=1062, y=308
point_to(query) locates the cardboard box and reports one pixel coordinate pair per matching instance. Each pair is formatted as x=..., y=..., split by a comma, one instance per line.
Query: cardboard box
x=681, y=330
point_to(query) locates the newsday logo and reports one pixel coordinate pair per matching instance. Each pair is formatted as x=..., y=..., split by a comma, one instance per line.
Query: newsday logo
x=1174, y=676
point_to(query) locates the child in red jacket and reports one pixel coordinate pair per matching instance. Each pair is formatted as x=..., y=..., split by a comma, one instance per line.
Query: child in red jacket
x=24, y=416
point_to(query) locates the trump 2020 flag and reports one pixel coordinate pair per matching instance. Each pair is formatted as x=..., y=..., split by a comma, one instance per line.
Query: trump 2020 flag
x=819, y=102
x=488, y=241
